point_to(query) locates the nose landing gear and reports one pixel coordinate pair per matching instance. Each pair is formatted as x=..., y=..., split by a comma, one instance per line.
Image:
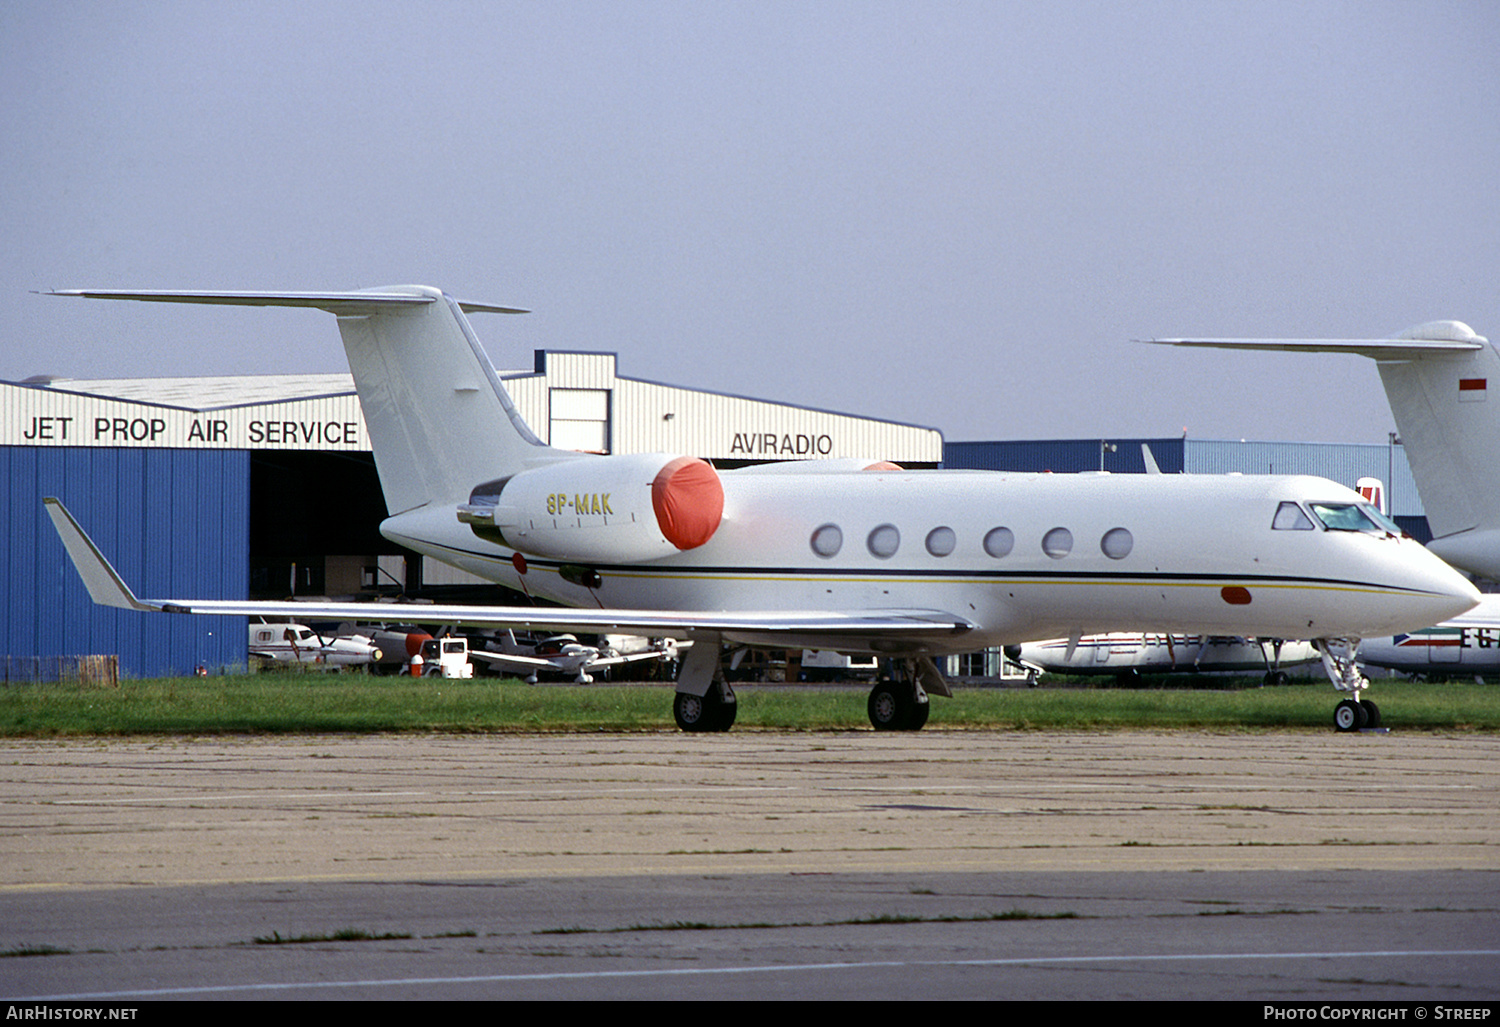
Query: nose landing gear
x=1353, y=714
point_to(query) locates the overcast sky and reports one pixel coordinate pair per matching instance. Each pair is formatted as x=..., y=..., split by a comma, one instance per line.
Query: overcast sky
x=948, y=214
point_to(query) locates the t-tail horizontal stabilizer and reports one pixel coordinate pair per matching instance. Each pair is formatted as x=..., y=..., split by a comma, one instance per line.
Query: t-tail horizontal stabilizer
x=418, y=366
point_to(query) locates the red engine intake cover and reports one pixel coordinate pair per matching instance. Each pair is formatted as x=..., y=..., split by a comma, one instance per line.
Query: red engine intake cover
x=689, y=502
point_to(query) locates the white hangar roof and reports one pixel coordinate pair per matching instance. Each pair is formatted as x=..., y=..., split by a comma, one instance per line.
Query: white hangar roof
x=573, y=400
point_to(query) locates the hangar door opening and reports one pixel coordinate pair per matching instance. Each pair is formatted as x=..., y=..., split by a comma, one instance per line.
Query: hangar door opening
x=315, y=525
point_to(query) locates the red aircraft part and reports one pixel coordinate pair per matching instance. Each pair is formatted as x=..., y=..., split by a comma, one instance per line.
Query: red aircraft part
x=689, y=502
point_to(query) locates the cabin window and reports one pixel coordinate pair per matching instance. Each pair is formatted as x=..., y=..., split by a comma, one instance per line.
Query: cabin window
x=940, y=541
x=1117, y=543
x=827, y=540
x=1289, y=517
x=884, y=541
x=1057, y=543
x=999, y=542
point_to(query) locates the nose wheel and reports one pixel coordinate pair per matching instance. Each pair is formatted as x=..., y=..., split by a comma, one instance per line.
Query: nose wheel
x=1356, y=715
x=1353, y=714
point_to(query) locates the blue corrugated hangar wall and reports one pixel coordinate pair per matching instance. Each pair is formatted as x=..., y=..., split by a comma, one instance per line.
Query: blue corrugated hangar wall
x=1066, y=456
x=174, y=522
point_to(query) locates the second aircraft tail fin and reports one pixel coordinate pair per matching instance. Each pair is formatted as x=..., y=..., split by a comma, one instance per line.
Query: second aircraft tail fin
x=1443, y=384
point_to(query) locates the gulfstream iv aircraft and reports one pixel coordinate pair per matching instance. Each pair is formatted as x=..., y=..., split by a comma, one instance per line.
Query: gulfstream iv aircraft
x=832, y=555
x=1437, y=378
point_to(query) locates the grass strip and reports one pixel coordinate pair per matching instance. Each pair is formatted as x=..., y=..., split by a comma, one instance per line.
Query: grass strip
x=295, y=703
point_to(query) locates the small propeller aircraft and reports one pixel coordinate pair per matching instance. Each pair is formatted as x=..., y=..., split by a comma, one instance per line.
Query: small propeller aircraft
x=838, y=555
x=297, y=643
x=564, y=654
x=1129, y=654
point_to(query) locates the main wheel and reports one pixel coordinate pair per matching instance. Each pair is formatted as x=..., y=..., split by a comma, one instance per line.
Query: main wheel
x=889, y=706
x=917, y=719
x=711, y=712
x=692, y=712
x=1349, y=716
x=892, y=707
x=1372, y=713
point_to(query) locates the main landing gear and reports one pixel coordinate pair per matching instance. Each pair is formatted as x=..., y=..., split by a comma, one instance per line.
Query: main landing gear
x=1270, y=651
x=705, y=702
x=901, y=704
x=712, y=711
x=1353, y=714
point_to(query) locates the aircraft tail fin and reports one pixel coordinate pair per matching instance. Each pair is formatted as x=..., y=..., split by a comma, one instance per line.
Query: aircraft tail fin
x=440, y=421
x=1443, y=384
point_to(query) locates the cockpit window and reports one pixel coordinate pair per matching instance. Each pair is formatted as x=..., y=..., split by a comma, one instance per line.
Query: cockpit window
x=1289, y=517
x=1373, y=512
x=1353, y=517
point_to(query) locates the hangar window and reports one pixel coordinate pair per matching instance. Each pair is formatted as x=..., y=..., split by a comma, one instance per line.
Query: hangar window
x=940, y=541
x=999, y=542
x=884, y=541
x=1057, y=543
x=827, y=540
x=1117, y=543
x=579, y=419
x=1289, y=517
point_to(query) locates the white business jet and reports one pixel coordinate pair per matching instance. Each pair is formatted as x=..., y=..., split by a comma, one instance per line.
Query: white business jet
x=564, y=654
x=903, y=564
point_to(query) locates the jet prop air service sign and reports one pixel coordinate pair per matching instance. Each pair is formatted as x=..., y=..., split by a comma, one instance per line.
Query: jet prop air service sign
x=32, y=416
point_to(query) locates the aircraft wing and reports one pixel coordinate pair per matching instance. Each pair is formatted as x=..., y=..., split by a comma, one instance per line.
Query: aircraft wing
x=609, y=661
x=515, y=660
x=107, y=588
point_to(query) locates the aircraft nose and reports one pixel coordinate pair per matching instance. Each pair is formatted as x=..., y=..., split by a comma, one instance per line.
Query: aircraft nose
x=1450, y=592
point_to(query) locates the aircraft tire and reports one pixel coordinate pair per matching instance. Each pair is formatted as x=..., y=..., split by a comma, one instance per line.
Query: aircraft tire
x=1372, y=713
x=918, y=718
x=692, y=712
x=885, y=707
x=892, y=708
x=710, y=712
x=1349, y=715
x=725, y=706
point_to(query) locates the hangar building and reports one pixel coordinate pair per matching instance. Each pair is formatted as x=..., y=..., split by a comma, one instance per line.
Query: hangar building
x=265, y=487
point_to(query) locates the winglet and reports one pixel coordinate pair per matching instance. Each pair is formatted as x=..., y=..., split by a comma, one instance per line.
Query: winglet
x=105, y=585
x=1151, y=465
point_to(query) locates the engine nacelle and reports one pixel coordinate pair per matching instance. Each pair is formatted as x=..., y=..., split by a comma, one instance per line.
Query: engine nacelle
x=608, y=509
